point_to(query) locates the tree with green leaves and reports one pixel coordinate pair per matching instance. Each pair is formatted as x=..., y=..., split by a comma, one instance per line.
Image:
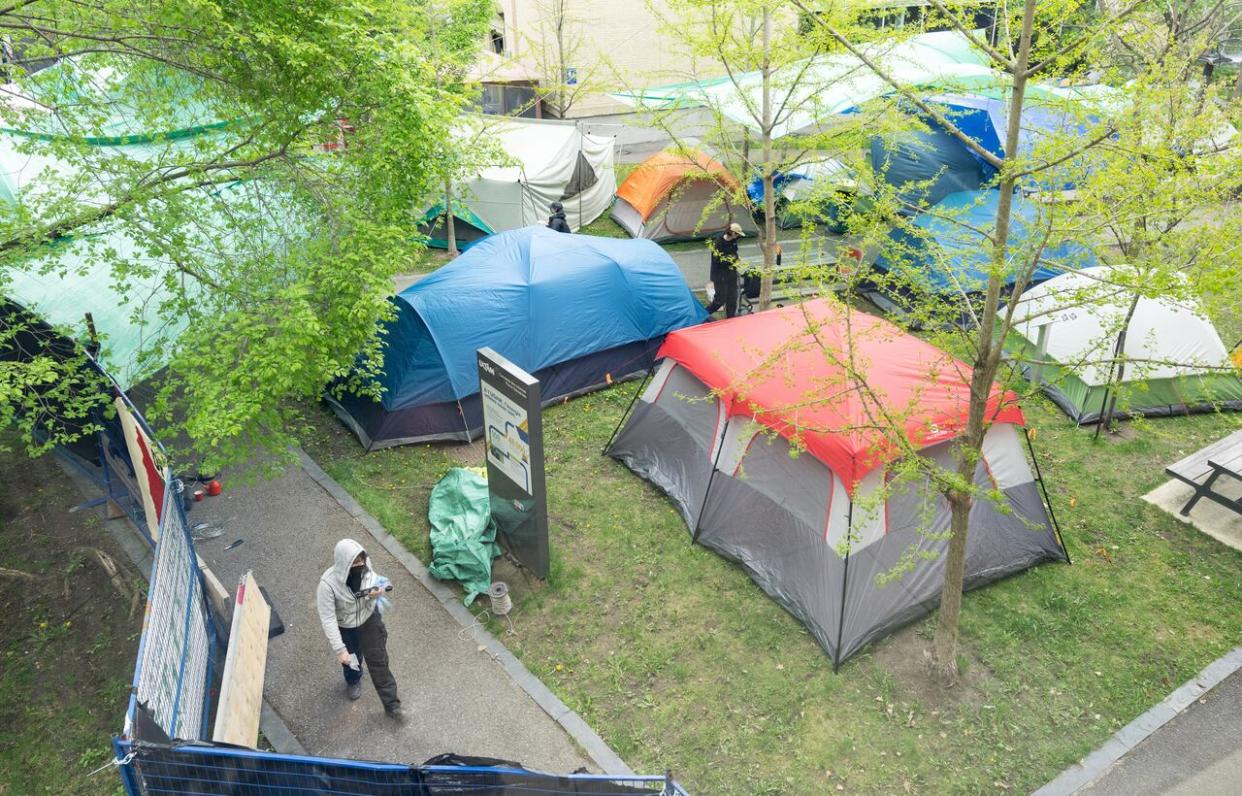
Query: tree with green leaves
x=754, y=51
x=243, y=175
x=1150, y=189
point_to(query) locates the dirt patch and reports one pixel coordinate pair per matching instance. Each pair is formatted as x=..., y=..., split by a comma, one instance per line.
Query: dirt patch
x=906, y=657
x=67, y=654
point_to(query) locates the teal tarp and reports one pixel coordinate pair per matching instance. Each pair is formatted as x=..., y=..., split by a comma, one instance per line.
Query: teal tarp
x=463, y=536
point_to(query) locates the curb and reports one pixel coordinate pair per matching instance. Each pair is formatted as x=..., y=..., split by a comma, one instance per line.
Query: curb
x=600, y=753
x=1096, y=764
x=130, y=538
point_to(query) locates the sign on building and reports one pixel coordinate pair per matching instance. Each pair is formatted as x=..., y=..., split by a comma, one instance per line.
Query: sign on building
x=513, y=438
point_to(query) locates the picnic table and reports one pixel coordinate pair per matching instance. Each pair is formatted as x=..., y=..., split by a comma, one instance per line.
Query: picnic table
x=1204, y=468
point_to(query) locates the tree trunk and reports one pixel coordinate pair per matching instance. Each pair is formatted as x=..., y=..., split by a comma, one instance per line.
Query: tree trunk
x=560, y=59
x=944, y=656
x=450, y=226
x=768, y=236
x=986, y=362
x=1119, y=352
x=1236, y=93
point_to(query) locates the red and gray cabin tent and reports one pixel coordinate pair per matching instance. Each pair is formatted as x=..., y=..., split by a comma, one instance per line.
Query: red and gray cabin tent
x=774, y=457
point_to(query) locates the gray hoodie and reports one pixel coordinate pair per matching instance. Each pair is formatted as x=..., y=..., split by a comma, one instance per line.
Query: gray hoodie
x=338, y=607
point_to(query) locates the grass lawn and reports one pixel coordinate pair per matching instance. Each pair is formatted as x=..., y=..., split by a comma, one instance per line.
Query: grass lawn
x=679, y=661
x=67, y=653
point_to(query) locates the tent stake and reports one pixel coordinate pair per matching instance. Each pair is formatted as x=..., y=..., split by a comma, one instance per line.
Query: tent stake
x=698, y=520
x=626, y=414
x=1056, y=526
x=845, y=579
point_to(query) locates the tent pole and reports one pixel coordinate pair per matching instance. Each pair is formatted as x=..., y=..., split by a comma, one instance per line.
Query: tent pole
x=698, y=520
x=1099, y=423
x=1056, y=526
x=845, y=579
x=626, y=414
x=465, y=425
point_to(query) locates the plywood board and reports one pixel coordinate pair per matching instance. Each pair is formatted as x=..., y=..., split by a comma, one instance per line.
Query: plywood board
x=241, y=692
x=216, y=593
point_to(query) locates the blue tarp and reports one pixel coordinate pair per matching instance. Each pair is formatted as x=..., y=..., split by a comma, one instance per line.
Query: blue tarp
x=952, y=166
x=956, y=227
x=925, y=167
x=780, y=180
x=538, y=298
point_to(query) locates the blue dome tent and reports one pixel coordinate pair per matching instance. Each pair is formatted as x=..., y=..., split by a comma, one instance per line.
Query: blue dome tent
x=574, y=310
x=946, y=253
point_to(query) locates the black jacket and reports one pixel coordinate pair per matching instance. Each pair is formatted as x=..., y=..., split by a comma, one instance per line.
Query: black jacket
x=557, y=222
x=724, y=253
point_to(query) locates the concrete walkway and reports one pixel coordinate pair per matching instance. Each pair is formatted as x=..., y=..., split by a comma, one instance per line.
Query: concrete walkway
x=457, y=692
x=1190, y=744
x=1199, y=753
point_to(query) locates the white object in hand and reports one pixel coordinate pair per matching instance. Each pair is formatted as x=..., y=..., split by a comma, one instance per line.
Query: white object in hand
x=353, y=662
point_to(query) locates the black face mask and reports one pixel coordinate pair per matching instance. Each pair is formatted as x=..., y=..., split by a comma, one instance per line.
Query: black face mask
x=354, y=579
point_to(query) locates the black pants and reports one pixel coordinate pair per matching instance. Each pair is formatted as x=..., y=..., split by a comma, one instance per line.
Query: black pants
x=725, y=280
x=369, y=641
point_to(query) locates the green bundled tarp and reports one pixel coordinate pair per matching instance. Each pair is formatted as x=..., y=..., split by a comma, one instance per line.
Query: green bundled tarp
x=463, y=536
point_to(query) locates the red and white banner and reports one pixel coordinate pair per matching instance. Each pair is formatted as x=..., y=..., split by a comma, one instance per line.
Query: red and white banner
x=149, y=475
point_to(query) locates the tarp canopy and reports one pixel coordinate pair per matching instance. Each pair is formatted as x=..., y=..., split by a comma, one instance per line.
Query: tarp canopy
x=773, y=368
x=944, y=164
x=806, y=179
x=949, y=254
x=828, y=85
x=112, y=96
x=925, y=166
x=60, y=282
x=546, y=161
x=1174, y=360
x=463, y=535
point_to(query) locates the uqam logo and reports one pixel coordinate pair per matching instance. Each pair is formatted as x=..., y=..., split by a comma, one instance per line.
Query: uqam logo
x=487, y=366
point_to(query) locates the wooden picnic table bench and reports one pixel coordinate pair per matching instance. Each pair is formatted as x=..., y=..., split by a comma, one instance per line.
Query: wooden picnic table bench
x=1203, y=468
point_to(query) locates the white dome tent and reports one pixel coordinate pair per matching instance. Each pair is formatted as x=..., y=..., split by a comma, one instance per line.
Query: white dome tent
x=1172, y=360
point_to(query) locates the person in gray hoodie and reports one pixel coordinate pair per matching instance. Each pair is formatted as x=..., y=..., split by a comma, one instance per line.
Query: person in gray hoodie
x=347, y=595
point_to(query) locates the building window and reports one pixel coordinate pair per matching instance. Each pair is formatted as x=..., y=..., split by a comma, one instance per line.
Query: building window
x=497, y=36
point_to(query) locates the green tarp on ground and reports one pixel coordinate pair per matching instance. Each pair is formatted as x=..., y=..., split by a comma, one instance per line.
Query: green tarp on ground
x=463, y=536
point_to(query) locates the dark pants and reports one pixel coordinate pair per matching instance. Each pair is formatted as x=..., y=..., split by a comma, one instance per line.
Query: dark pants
x=369, y=641
x=725, y=280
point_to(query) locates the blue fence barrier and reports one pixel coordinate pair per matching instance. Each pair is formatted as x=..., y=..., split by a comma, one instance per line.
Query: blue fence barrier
x=205, y=769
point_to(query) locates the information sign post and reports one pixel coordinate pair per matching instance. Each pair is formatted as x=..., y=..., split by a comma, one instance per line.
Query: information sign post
x=513, y=438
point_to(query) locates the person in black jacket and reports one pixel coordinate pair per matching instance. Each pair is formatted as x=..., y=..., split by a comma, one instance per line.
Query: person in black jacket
x=724, y=269
x=557, y=221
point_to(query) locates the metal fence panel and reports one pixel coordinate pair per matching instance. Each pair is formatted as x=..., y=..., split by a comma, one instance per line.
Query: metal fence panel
x=174, y=657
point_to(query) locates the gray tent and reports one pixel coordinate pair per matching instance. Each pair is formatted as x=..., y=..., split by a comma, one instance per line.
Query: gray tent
x=816, y=531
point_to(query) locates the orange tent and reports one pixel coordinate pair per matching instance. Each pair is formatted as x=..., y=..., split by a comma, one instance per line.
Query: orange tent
x=677, y=195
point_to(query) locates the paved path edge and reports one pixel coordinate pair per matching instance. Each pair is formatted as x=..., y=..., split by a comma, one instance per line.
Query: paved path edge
x=131, y=540
x=600, y=752
x=1096, y=764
